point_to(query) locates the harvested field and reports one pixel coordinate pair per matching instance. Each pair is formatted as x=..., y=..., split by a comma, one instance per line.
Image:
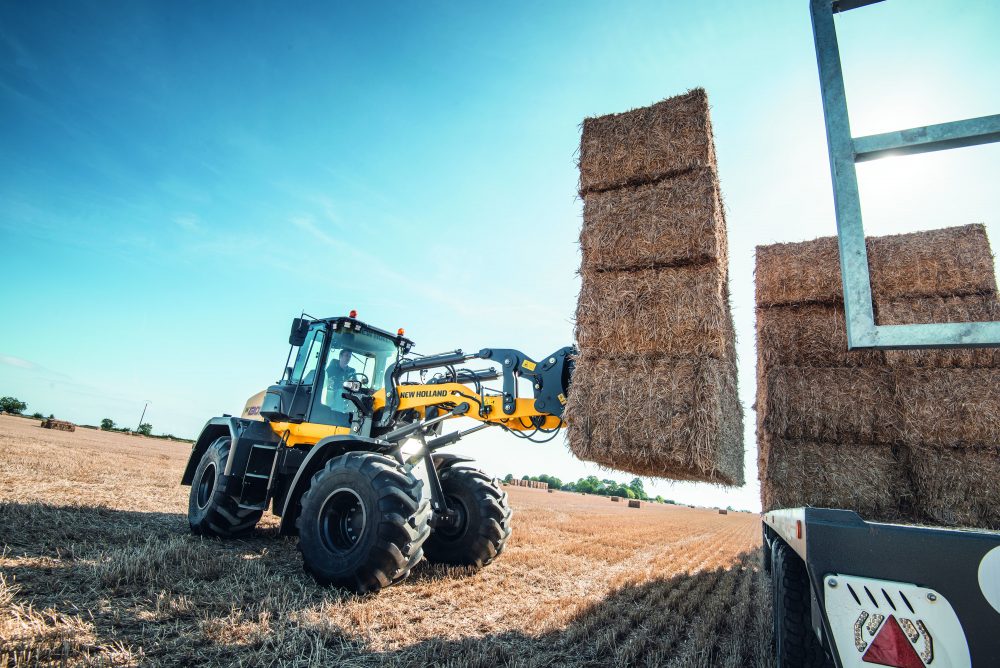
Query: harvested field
x=677, y=312
x=98, y=568
x=671, y=417
x=901, y=265
x=677, y=221
x=647, y=144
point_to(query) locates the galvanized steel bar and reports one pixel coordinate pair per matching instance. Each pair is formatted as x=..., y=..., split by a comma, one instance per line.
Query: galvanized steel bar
x=957, y=134
x=845, y=150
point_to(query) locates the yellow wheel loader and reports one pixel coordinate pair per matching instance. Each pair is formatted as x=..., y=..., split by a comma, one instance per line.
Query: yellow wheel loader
x=344, y=448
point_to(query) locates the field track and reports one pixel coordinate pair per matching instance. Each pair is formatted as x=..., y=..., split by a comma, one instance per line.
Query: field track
x=97, y=567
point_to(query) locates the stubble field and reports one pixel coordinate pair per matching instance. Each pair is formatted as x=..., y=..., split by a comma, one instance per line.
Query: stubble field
x=97, y=567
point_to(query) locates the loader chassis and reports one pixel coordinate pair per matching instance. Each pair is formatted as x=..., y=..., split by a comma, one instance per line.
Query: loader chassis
x=344, y=449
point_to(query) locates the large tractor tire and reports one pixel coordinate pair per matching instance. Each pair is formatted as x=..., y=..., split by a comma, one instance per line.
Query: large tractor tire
x=795, y=644
x=363, y=523
x=482, y=524
x=210, y=512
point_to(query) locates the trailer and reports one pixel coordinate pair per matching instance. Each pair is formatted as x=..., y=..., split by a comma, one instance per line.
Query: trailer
x=847, y=592
x=859, y=593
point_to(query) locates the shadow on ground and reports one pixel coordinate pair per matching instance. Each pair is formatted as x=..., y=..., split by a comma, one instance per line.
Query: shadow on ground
x=96, y=586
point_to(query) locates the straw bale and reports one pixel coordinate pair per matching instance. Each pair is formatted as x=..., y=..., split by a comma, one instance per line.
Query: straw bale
x=949, y=407
x=723, y=511
x=634, y=503
x=958, y=487
x=973, y=308
x=868, y=479
x=646, y=144
x=665, y=417
x=673, y=222
x=682, y=311
x=808, y=335
x=954, y=261
x=829, y=404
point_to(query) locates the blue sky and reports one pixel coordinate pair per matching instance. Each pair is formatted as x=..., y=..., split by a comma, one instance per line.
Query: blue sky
x=180, y=179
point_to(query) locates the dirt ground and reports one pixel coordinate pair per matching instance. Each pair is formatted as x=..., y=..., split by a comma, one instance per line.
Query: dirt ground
x=97, y=567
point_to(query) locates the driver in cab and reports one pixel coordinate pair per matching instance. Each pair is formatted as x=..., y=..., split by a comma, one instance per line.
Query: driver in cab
x=337, y=372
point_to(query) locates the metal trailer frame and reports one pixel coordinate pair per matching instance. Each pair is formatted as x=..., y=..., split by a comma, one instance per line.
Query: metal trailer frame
x=845, y=151
x=835, y=543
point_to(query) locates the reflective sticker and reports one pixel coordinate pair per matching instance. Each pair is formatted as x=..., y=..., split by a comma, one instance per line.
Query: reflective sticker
x=528, y=364
x=562, y=399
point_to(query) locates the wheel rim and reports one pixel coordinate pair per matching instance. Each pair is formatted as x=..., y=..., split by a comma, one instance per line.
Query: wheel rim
x=342, y=520
x=206, y=485
x=456, y=529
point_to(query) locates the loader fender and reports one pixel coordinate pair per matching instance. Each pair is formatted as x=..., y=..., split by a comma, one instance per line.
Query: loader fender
x=213, y=429
x=443, y=460
x=241, y=432
x=319, y=455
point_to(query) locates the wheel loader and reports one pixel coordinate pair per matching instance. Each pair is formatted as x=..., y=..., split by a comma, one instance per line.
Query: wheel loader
x=345, y=449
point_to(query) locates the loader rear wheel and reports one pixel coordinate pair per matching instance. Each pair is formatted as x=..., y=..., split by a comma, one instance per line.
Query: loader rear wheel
x=210, y=511
x=795, y=644
x=482, y=524
x=363, y=523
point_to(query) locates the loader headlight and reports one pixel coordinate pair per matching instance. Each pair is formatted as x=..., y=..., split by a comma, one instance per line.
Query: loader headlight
x=411, y=448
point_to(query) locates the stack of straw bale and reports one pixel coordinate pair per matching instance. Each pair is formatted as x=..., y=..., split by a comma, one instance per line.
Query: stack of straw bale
x=654, y=389
x=894, y=435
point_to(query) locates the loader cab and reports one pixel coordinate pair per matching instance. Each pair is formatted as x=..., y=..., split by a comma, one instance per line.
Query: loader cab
x=336, y=366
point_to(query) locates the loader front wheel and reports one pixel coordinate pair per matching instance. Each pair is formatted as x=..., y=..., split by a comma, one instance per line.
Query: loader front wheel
x=482, y=519
x=363, y=523
x=210, y=511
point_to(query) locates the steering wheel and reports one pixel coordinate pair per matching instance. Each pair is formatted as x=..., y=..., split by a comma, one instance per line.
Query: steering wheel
x=363, y=378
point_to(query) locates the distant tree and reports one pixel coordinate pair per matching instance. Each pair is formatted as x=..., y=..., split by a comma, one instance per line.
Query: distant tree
x=52, y=416
x=729, y=507
x=38, y=416
x=12, y=405
x=659, y=499
x=524, y=477
x=636, y=486
x=145, y=429
x=509, y=477
x=107, y=424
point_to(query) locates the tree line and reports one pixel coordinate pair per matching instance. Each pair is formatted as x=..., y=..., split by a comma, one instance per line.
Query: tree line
x=594, y=485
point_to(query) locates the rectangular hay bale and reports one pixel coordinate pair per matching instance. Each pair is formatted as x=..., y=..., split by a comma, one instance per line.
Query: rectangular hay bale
x=808, y=335
x=868, y=479
x=949, y=407
x=954, y=261
x=958, y=487
x=646, y=144
x=679, y=311
x=854, y=405
x=972, y=308
x=673, y=222
x=664, y=417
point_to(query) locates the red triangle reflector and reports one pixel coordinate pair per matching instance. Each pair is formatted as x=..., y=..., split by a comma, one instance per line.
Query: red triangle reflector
x=891, y=648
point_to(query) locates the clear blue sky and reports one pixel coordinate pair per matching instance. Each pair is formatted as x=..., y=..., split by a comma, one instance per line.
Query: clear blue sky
x=180, y=179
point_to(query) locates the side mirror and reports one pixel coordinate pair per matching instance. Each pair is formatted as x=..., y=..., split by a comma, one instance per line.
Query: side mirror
x=300, y=327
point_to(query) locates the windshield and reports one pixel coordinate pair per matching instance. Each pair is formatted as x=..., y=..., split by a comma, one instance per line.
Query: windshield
x=359, y=356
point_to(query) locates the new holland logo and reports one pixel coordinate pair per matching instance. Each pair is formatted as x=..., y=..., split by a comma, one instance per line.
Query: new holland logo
x=893, y=642
x=420, y=394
